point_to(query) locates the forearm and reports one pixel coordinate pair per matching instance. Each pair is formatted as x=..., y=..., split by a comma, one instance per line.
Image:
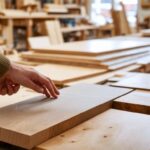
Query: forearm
x=4, y=65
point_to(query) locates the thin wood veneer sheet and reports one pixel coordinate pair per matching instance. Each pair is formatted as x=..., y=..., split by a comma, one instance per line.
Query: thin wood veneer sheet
x=61, y=74
x=111, y=130
x=30, y=123
x=93, y=47
x=140, y=81
x=136, y=101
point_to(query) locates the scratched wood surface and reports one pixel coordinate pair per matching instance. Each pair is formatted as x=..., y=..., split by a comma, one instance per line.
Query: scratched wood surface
x=30, y=123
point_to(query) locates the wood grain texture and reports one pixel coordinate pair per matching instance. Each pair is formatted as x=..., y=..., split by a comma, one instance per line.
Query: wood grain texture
x=30, y=123
x=61, y=74
x=93, y=47
x=140, y=81
x=136, y=101
x=111, y=130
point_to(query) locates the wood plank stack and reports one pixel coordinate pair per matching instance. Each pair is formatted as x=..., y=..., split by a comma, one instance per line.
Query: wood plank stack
x=110, y=54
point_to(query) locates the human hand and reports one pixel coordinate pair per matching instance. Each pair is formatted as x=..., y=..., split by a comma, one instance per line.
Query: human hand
x=29, y=78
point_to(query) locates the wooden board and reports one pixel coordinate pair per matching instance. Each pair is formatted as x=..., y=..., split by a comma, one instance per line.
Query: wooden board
x=136, y=101
x=22, y=95
x=140, y=81
x=42, y=41
x=61, y=74
x=111, y=130
x=93, y=47
x=146, y=33
x=30, y=123
x=104, y=77
x=86, y=59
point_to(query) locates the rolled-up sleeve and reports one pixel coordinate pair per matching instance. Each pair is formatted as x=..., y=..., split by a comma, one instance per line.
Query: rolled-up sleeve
x=4, y=65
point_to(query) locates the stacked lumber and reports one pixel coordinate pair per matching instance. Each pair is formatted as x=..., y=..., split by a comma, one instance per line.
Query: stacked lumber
x=110, y=54
x=31, y=122
x=146, y=33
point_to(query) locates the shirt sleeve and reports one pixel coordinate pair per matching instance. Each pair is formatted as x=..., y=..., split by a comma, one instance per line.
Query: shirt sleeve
x=4, y=65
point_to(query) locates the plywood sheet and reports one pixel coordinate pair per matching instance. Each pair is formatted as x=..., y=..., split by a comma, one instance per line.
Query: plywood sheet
x=61, y=74
x=86, y=59
x=140, y=81
x=103, y=77
x=30, y=123
x=111, y=130
x=136, y=101
x=93, y=47
x=22, y=95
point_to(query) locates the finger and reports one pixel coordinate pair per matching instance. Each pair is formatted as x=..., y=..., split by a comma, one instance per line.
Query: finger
x=50, y=88
x=10, y=90
x=46, y=92
x=3, y=91
x=16, y=88
x=33, y=86
x=55, y=88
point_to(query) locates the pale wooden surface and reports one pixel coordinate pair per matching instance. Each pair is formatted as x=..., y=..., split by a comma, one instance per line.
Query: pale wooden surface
x=111, y=130
x=93, y=47
x=140, y=81
x=146, y=33
x=104, y=77
x=77, y=58
x=136, y=101
x=22, y=95
x=41, y=41
x=61, y=74
x=30, y=123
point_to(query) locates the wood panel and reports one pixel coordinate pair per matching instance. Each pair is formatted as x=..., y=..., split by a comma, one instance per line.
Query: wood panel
x=137, y=101
x=104, y=77
x=93, y=47
x=146, y=33
x=111, y=130
x=140, y=81
x=61, y=74
x=75, y=58
x=23, y=95
x=30, y=123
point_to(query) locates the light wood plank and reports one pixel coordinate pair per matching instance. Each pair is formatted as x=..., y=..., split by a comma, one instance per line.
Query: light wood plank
x=93, y=47
x=111, y=130
x=140, y=81
x=136, y=101
x=30, y=123
x=22, y=95
x=62, y=74
x=104, y=77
